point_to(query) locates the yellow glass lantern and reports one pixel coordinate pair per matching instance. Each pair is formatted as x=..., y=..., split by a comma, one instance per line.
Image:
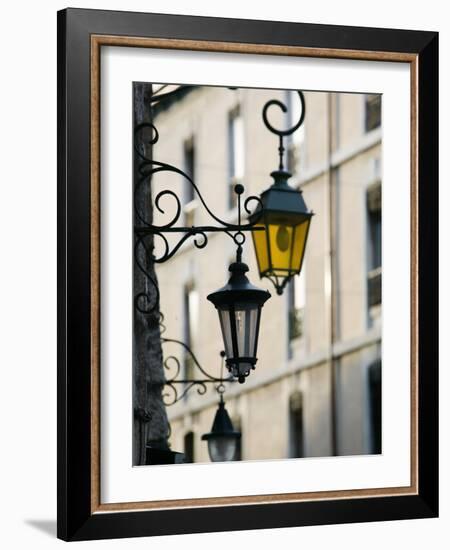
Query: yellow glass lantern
x=280, y=248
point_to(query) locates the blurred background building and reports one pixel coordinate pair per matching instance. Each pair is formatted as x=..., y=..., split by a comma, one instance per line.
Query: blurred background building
x=316, y=390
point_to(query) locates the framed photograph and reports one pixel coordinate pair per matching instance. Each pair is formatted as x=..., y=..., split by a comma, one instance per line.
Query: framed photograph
x=247, y=257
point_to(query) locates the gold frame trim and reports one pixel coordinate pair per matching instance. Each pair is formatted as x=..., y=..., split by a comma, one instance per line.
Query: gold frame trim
x=97, y=41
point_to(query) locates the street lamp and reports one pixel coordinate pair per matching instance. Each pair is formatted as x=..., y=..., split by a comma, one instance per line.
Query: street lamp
x=223, y=440
x=283, y=214
x=281, y=247
x=239, y=305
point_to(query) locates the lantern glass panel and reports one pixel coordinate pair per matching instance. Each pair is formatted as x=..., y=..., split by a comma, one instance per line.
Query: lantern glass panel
x=281, y=242
x=225, y=325
x=222, y=448
x=246, y=321
x=300, y=235
x=261, y=248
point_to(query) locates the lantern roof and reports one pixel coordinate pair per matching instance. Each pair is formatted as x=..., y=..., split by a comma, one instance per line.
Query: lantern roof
x=281, y=198
x=238, y=289
x=222, y=425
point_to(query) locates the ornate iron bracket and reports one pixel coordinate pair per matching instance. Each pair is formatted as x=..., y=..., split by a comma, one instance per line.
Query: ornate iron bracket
x=179, y=386
x=147, y=134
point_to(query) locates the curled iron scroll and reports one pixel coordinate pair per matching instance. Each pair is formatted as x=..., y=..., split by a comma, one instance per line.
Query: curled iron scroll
x=149, y=167
x=172, y=364
x=283, y=107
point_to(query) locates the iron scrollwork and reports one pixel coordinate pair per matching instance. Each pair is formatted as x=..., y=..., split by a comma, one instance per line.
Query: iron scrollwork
x=288, y=131
x=177, y=387
x=147, y=134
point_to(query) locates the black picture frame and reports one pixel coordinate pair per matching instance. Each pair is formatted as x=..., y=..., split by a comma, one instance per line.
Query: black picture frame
x=76, y=518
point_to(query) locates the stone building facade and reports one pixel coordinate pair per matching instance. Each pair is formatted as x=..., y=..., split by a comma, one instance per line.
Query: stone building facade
x=317, y=385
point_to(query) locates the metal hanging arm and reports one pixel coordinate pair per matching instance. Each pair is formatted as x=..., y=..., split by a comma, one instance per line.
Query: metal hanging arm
x=201, y=384
x=147, y=134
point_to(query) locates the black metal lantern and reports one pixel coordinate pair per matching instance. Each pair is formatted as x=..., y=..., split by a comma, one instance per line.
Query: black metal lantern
x=283, y=214
x=280, y=249
x=239, y=305
x=223, y=440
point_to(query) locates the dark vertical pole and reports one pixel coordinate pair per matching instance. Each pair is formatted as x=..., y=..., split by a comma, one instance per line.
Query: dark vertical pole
x=150, y=423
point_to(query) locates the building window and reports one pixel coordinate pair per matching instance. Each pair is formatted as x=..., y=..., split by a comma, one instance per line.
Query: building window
x=295, y=141
x=372, y=111
x=296, y=308
x=236, y=153
x=375, y=407
x=191, y=308
x=296, y=432
x=374, y=244
x=189, y=169
x=189, y=447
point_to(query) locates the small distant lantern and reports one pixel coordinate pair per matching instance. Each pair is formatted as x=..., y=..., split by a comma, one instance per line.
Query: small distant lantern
x=223, y=439
x=239, y=304
x=280, y=248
